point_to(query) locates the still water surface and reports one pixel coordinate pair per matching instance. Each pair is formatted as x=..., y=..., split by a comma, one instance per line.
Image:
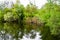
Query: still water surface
x=15, y=31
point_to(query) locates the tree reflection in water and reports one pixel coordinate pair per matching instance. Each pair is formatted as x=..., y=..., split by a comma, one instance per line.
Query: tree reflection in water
x=11, y=31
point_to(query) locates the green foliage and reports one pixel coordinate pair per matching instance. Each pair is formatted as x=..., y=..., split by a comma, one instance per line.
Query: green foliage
x=49, y=15
x=31, y=10
x=8, y=16
x=1, y=16
x=46, y=34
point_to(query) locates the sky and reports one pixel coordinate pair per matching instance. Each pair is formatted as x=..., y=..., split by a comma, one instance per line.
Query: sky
x=39, y=3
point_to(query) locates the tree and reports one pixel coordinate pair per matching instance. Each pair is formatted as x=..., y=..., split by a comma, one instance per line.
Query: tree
x=49, y=14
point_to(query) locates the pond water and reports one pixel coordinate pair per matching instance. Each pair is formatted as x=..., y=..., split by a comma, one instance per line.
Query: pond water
x=15, y=31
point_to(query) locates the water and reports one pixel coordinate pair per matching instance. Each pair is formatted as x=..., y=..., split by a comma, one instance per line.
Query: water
x=15, y=31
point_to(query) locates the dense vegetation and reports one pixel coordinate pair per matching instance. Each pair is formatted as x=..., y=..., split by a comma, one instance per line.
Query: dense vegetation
x=48, y=17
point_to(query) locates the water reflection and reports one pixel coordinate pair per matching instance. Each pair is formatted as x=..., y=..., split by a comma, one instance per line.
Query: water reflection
x=14, y=31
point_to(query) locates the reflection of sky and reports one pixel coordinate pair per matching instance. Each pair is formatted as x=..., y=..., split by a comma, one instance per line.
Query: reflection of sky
x=9, y=37
x=36, y=38
x=38, y=3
